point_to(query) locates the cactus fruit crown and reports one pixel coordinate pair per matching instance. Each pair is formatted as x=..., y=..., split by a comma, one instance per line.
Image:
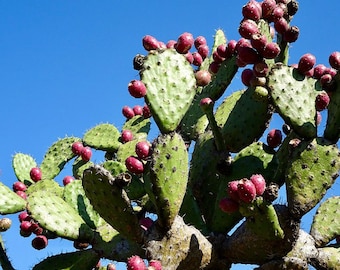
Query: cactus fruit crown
x=154, y=205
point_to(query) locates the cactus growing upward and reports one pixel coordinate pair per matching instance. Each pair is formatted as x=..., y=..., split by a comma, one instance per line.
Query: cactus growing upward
x=105, y=208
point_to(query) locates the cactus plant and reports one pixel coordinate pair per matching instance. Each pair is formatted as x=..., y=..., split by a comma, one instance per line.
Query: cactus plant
x=184, y=195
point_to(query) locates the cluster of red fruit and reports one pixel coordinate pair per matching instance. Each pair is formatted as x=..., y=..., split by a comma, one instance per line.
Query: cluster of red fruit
x=244, y=190
x=137, y=263
x=29, y=226
x=135, y=164
x=84, y=152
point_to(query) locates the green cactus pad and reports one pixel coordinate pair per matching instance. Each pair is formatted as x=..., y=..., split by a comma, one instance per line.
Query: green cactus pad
x=114, y=167
x=84, y=259
x=79, y=166
x=313, y=168
x=22, y=164
x=325, y=226
x=329, y=258
x=127, y=149
x=294, y=97
x=112, y=245
x=74, y=195
x=111, y=202
x=57, y=216
x=169, y=176
x=48, y=186
x=332, y=131
x=10, y=202
x=242, y=113
x=57, y=156
x=139, y=126
x=103, y=137
x=171, y=87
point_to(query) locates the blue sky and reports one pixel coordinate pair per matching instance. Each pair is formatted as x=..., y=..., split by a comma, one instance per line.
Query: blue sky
x=65, y=66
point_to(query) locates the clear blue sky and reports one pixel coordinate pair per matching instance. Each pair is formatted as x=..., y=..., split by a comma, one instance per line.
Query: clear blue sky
x=65, y=66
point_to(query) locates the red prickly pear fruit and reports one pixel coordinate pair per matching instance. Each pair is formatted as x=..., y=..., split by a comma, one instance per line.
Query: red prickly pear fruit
x=246, y=190
x=143, y=149
x=134, y=165
x=217, y=58
x=248, y=28
x=306, y=62
x=39, y=242
x=319, y=70
x=128, y=112
x=231, y=47
x=322, y=101
x=277, y=13
x=150, y=43
x=271, y=50
x=22, y=194
x=222, y=50
x=146, y=223
x=189, y=57
x=281, y=25
x=24, y=216
x=26, y=226
x=67, y=179
x=203, y=77
x=252, y=10
x=274, y=138
x=203, y=50
x=135, y=263
x=261, y=69
x=19, y=186
x=331, y=71
x=77, y=148
x=248, y=55
x=137, y=88
x=35, y=174
x=232, y=190
x=228, y=205
x=246, y=76
x=138, y=110
x=292, y=34
x=197, y=59
x=161, y=45
x=110, y=266
x=267, y=8
x=214, y=67
x=126, y=136
x=146, y=111
x=259, y=183
x=157, y=265
x=206, y=104
x=259, y=42
x=184, y=43
x=199, y=41
x=326, y=80
x=86, y=154
x=334, y=60
x=171, y=44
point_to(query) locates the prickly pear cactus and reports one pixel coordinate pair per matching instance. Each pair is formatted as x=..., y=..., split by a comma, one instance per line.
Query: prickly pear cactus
x=202, y=194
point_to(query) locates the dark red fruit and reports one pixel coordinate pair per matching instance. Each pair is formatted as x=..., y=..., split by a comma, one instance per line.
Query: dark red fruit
x=67, y=179
x=259, y=42
x=246, y=190
x=171, y=44
x=26, y=226
x=259, y=183
x=267, y=8
x=326, y=80
x=156, y=264
x=22, y=194
x=150, y=43
x=248, y=28
x=334, y=60
x=306, y=62
x=146, y=111
x=261, y=69
x=292, y=34
x=134, y=165
x=146, y=223
x=143, y=149
x=138, y=110
x=217, y=58
x=228, y=205
x=19, y=186
x=277, y=13
x=231, y=46
x=184, y=43
x=137, y=88
x=203, y=50
x=281, y=25
x=248, y=55
x=197, y=59
x=39, y=242
x=274, y=138
x=322, y=101
x=135, y=263
x=232, y=190
x=24, y=216
x=222, y=51
x=252, y=10
x=128, y=112
x=35, y=174
x=77, y=148
x=86, y=153
x=246, y=76
x=203, y=77
x=319, y=70
x=271, y=50
x=126, y=136
x=36, y=229
x=214, y=67
x=189, y=57
x=199, y=41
